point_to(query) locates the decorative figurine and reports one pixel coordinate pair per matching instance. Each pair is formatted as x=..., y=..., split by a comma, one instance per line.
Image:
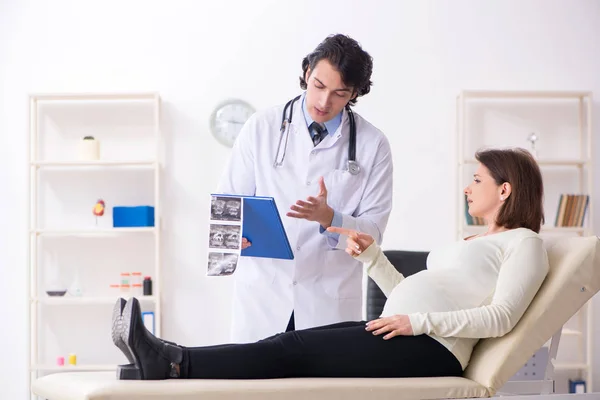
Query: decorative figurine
x=99, y=209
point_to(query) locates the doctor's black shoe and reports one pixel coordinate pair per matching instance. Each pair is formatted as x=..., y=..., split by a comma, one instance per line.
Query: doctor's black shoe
x=153, y=358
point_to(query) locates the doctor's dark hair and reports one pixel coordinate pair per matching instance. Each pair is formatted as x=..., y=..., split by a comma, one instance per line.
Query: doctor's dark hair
x=345, y=54
x=524, y=208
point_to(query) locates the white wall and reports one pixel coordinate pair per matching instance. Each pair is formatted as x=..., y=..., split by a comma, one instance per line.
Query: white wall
x=198, y=53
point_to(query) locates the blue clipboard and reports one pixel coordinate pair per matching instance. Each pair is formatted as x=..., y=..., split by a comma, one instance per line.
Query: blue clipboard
x=262, y=226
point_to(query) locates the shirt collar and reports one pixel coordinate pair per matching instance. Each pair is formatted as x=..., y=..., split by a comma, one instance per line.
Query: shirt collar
x=332, y=125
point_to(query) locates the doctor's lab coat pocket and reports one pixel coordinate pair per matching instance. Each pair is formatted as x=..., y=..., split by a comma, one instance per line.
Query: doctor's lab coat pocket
x=340, y=277
x=343, y=190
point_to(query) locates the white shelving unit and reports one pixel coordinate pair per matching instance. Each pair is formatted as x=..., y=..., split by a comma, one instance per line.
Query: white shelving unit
x=73, y=368
x=63, y=162
x=92, y=232
x=74, y=301
x=581, y=163
x=87, y=164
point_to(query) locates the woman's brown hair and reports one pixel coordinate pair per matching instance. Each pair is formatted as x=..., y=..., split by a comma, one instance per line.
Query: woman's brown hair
x=524, y=208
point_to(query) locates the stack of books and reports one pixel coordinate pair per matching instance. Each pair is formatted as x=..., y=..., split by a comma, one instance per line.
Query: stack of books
x=571, y=210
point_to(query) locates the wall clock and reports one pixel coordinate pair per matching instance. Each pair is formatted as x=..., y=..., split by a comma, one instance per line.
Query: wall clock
x=227, y=119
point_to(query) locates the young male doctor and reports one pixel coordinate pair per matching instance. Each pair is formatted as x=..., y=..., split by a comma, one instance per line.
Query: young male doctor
x=325, y=166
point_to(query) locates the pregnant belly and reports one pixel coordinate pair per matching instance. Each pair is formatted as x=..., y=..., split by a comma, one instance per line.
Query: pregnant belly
x=423, y=293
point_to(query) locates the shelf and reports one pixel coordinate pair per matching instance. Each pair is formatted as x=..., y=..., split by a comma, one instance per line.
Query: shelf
x=71, y=368
x=519, y=111
x=546, y=162
x=94, y=96
x=547, y=229
x=142, y=164
x=53, y=169
x=99, y=232
x=493, y=94
x=70, y=300
x=570, y=366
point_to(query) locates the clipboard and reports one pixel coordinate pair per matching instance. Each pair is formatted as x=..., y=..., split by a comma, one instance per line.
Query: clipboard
x=262, y=226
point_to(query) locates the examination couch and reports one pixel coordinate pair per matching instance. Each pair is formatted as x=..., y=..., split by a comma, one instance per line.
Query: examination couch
x=574, y=277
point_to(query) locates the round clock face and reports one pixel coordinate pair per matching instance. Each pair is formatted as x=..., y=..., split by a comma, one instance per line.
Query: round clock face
x=227, y=120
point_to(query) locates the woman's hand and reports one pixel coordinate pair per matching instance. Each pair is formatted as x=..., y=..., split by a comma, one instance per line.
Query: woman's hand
x=396, y=325
x=356, y=243
x=245, y=243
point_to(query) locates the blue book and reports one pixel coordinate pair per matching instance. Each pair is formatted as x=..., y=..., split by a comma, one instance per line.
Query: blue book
x=261, y=225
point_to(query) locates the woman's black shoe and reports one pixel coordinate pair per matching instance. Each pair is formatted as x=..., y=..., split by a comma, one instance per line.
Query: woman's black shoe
x=153, y=358
x=125, y=371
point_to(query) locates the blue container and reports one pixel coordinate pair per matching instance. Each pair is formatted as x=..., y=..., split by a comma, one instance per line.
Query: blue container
x=128, y=217
x=577, y=386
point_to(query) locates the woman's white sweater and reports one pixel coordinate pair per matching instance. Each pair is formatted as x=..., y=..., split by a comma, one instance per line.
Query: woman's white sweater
x=471, y=289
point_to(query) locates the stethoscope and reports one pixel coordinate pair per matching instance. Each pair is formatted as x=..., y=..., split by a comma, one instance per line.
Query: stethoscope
x=353, y=166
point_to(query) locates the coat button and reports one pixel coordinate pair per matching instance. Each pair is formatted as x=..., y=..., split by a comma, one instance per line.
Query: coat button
x=298, y=248
x=307, y=183
x=294, y=283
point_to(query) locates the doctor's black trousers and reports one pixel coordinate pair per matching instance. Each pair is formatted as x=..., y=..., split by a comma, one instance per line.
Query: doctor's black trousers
x=340, y=350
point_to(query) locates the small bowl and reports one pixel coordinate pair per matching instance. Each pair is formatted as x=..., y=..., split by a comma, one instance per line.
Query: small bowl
x=56, y=293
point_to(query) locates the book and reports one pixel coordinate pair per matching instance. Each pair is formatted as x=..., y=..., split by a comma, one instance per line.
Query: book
x=571, y=210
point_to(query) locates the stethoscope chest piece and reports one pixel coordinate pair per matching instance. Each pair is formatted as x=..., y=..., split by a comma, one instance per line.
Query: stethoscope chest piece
x=353, y=167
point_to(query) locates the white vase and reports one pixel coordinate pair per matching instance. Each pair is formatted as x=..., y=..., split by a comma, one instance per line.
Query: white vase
x=75, y=289
x=89, y=149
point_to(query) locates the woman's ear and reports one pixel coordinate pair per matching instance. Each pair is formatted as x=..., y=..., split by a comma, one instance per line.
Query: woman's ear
x=506, y=190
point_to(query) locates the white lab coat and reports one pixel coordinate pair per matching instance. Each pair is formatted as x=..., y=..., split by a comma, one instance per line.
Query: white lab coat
x=323, y=284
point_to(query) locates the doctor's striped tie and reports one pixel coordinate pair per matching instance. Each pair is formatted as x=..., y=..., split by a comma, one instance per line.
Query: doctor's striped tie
x=319, y=132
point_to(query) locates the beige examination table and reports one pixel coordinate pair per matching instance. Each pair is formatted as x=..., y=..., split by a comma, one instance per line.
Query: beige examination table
x=573, y=279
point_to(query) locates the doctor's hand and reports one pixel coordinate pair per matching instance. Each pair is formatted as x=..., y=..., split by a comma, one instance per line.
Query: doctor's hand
x=245, y=243
x=314, y=208
x=356, y=243
x=396, y=325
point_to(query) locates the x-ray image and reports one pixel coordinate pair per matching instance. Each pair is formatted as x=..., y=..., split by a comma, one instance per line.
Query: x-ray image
x=225, y=237
x=221, y=264
x=226, y=208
